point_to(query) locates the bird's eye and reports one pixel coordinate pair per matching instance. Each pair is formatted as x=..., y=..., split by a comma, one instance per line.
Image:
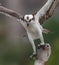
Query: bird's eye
x=30, y=20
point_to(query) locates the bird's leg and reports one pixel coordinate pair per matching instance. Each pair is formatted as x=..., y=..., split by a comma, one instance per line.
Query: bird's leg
x=33, y=44
x=41, y=37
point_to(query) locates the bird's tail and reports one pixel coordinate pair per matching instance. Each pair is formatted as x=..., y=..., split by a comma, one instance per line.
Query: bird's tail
x=46, y=31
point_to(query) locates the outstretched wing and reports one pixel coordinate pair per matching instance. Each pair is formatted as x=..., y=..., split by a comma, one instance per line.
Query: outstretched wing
x=9, y=12
x=46, y=11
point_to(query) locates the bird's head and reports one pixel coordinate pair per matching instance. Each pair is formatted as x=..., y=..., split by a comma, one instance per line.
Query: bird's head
x=28, y=18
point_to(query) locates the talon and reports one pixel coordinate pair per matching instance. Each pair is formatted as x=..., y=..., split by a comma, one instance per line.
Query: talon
x=43, y=46
x=42, y=43
x=33, y=56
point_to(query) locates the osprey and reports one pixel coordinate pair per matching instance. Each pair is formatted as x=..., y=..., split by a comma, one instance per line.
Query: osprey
x=32, y=22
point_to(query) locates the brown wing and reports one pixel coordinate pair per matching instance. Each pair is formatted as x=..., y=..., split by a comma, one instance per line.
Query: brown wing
x=10, y=12
x=49, y=12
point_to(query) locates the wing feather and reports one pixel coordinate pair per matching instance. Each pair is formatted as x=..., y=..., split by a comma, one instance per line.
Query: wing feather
x=47, y=10
x=9, y=12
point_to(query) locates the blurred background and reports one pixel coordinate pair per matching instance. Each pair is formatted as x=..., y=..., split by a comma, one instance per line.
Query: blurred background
x=15, y=48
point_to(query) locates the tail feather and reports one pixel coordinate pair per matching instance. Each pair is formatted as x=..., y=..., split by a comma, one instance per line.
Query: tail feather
x=46, y=31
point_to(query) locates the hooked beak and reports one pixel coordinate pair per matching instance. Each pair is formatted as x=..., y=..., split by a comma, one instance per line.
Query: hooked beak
x=27, y=23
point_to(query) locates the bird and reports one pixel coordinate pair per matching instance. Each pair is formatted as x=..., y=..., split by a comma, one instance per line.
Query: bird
x=43, y=54
x=34, y=30
x=32, y=23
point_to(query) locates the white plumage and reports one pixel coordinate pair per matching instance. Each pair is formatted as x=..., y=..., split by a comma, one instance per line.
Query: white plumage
x=32, y=26
x=34, y=30
x=32, y=23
